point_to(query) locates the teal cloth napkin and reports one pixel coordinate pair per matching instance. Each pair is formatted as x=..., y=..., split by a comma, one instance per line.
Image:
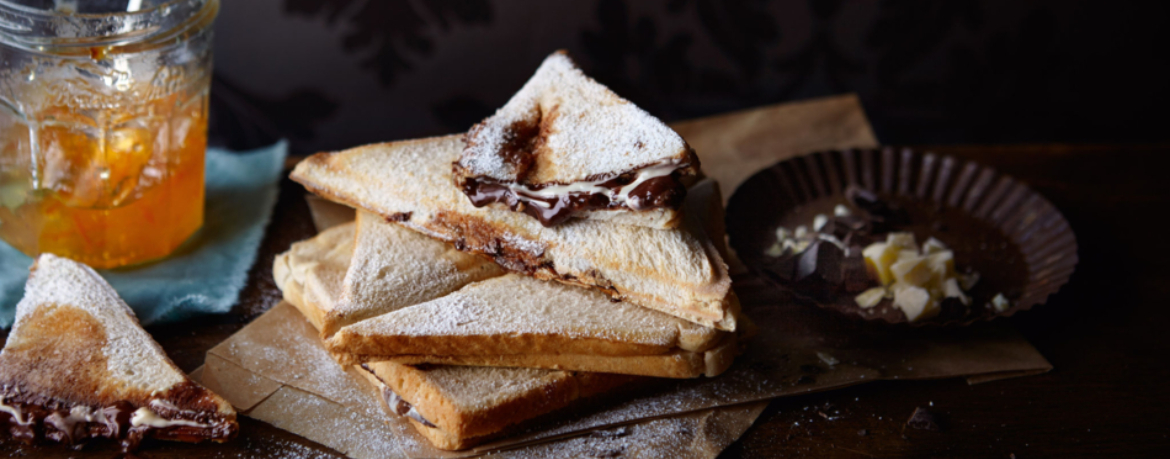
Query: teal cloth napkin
x=206, y=274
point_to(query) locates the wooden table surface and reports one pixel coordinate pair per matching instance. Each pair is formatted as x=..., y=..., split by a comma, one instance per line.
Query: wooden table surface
x=1105, y=333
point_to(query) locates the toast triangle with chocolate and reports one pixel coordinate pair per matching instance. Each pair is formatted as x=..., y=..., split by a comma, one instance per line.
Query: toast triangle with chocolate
x=77, y=366
x=516, y=320
x=675, y=271
x=455, y=407
x=392, y=268
x=549, y=320
x=565, y=146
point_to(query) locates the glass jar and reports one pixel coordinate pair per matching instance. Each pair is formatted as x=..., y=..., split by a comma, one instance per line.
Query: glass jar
x=103, y=126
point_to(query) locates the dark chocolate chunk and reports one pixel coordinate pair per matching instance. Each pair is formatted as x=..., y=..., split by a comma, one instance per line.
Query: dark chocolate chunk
x=882, y=214
x=923, y=420
x=822, y=260
x=862, y=432
x=854, y=275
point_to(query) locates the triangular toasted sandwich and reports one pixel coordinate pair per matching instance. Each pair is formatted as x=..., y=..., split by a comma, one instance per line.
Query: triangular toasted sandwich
x=675, y=271
x=393, y=268
x=515, y=320
x=455, y=407
x=77, y=366
x=566, y=146
x=509, y=320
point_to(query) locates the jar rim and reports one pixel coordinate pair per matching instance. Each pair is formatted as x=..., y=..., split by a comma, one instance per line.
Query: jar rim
x=34, y=28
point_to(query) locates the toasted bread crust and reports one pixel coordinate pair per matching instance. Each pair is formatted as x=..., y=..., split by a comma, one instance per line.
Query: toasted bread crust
x=677, y=364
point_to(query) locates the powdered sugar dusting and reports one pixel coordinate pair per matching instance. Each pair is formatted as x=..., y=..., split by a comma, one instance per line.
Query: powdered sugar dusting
x=393, y=267
x=675, y=437
x=486, y=387
x=132, y=355
x=295, y=346
x=684, y=278
x=590, y=130
x=515, y=304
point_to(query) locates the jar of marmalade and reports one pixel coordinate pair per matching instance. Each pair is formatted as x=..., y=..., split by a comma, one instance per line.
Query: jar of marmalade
x=103, y=126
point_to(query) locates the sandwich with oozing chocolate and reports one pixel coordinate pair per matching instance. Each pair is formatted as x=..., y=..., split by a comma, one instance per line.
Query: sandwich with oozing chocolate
x=77, y=366
x=566, y=146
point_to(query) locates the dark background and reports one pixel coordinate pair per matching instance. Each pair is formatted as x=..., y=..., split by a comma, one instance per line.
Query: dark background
x=330, y=74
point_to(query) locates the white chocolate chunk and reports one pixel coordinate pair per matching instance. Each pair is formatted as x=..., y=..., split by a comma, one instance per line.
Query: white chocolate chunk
x=932, y=246
x=782, y=233
x=942, y=267
x=797, y=246
x=902, y=240
x=775, y=250
x=819, y=222
x=871, y=297
x=915, y=302
x=1000, y=303
x=951, y=290
x=841, y=211
x=913, y=270
x=878, y=258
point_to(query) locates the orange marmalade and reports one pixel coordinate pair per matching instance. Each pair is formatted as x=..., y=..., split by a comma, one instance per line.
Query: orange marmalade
x=103, y=133
x=112, y=201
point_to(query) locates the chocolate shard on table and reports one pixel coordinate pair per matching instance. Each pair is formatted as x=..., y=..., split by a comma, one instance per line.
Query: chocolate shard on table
x=566, y=146
x=78, y=366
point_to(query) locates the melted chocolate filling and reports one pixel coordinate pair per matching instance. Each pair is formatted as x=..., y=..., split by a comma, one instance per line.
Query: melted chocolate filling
x=402, y=407
x=666, y=191
x=30, y=418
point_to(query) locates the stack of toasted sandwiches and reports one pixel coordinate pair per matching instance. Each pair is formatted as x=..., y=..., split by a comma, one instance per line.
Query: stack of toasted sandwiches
x=563, y=248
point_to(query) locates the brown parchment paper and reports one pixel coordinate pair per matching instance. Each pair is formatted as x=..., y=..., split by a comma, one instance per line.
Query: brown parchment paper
x=273, y=371
x=277, y=370
x=733, y=146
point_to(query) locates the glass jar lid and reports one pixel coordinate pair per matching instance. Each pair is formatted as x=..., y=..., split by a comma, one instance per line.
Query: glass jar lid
x=56, y=25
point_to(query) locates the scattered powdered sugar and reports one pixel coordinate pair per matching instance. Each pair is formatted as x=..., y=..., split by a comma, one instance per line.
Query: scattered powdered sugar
x=591, y=131
x=295, y=346
x=674, y=437
x=132, y=355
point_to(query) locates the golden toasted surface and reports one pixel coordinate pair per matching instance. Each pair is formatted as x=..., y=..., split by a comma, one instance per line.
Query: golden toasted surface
x=59, y=354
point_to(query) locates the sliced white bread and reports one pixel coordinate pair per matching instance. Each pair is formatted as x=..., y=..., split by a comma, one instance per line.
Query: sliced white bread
x=564, y=128
x=539, y=324
x=516, y=314
x=677, y=271
x=461, y=407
